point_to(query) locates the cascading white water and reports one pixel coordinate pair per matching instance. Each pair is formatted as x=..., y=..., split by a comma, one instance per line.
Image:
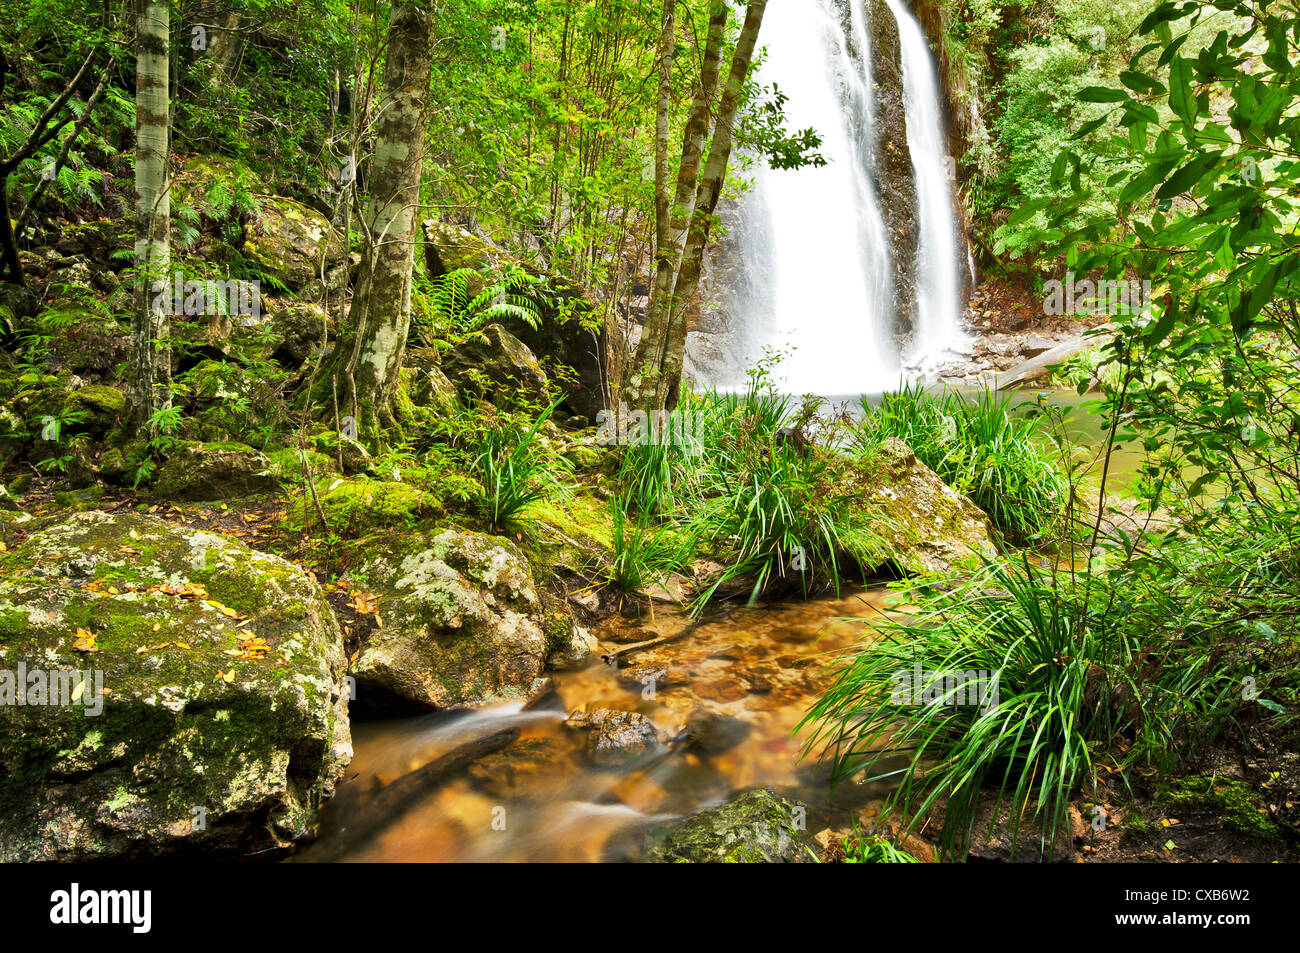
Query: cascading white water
x=815, y=242
x=938, y=261
x=818, y=271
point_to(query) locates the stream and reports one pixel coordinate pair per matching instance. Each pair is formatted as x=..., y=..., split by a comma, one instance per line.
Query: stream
x=541, y=799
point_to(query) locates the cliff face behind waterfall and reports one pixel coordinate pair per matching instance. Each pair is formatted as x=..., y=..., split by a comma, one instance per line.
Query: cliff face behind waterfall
x=828, y=264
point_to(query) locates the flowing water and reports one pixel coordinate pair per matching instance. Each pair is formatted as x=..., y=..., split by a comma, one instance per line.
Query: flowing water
x=818, y=273
x=938, y=328
x=814, y=239
x=541, y=798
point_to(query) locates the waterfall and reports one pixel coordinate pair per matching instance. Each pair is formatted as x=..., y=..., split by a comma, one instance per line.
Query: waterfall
x=938, y=261
x=812, y=265
x=814, y=240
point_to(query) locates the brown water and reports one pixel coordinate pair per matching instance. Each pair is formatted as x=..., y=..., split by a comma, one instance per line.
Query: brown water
x=540, y=799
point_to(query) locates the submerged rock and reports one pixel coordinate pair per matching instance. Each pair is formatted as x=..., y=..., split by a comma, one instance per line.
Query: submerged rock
x=755, y=827
x=461, y=623
x=712, y=732
x=214, y=711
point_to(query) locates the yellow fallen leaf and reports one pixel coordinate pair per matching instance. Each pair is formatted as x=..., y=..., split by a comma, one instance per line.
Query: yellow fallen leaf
x=84, y=641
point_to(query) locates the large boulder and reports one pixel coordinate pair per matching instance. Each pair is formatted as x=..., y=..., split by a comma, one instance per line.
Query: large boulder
x=929, y=527
x=495, y=365
x=569, y=331
x=755, y=827
x=214, y=713
x=287, y=241
x=214, y=471
x=460, y=623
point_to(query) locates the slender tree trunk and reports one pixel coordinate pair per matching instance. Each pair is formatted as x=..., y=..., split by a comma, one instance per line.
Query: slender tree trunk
x=669, y=346
x=663, y=113
x=381, y=307
x=650, y=351
x=150, y=358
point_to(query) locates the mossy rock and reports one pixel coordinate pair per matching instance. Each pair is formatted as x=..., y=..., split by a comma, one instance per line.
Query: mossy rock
x=214, y=471
x=287, y=240
x=361, y=506
x=755, y=827
x=462, y=623
x=218, y=715
x=925, y=526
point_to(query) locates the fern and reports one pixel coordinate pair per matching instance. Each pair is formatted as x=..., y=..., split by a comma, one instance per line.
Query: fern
x=509, y=293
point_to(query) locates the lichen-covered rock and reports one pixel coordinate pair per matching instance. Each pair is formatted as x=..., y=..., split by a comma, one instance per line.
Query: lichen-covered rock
x=287, y=240
x=755, y=827
x=461, y=623
x=215, y=715
x=214, y=471
x=615, y=737
x=930, y=527
x=494, y=365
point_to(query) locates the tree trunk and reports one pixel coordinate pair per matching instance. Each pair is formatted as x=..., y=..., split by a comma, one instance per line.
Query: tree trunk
x=150, y=358
x=706, y=202
x=381, y=306
x=644, y=373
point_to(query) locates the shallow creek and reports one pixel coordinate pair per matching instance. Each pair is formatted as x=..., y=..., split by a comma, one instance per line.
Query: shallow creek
x=540, y=799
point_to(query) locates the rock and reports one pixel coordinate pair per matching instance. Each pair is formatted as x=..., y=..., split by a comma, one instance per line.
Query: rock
x=286, y=241
x=222, y=723
x=1039, y=369
x=642, y=677
x=754, y=827
x=461, y=623
x=495, y=366
x=428, y=385
x=614, y=737
x=214, y=471
x=895, y=173
x=360, y=506
x=930, y=527
x=569, y=331
x=572, y=646
x=712, y=732
x=299, y=329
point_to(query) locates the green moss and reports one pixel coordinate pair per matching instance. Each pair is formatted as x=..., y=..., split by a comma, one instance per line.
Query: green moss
x=1232, y=801
x=360, y=506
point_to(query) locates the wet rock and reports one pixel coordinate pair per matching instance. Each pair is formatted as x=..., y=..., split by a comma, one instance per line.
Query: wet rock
x=615, y=737
x=755, y=827
x=218, y=716
x=214, y=471
x=461, y=623
x=713, y=732
x=643, y=677
x=896, y=176
x=523, y=765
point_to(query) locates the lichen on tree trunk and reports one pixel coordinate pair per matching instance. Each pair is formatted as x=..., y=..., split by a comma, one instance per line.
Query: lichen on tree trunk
x=150, y=356
x=368, y=372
